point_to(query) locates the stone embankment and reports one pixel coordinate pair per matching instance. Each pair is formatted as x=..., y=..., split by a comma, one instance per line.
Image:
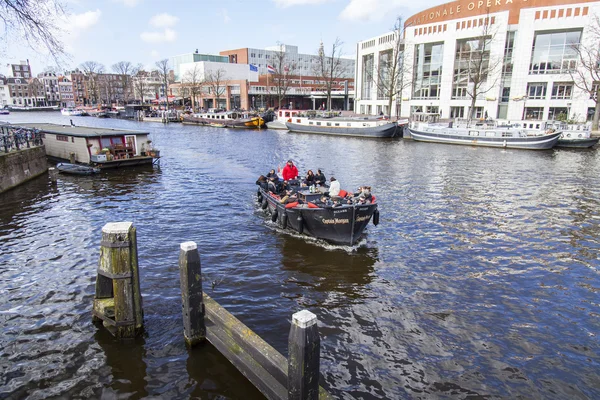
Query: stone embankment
x=17, y=167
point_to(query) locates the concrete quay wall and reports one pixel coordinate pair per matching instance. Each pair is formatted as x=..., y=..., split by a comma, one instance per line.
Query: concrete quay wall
x=20, y=166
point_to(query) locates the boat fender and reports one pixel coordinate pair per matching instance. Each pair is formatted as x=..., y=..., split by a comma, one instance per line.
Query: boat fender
x=274, y=215
x=284, y=221
x=376, y=217
x=265, y=204
x=259, y=197
x=300, y=224
x=291, y=205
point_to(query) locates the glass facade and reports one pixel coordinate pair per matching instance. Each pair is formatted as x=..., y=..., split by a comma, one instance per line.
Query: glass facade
x=427, y=73
x=554, y=52
x=383, y=76
x=471, y=64
x=367, y=76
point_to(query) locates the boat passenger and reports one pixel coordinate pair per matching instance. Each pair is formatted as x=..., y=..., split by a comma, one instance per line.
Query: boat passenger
x=334, y=187
x=320, y=178
x=289, y=171
x=263, y=183
x=273, y=184
x=309, y=179
x=271, y=173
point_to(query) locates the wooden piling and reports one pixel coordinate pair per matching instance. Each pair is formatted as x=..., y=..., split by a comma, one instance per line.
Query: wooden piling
x=303, y=357
x=118, y=300
x=53, y=173
x=190, y=275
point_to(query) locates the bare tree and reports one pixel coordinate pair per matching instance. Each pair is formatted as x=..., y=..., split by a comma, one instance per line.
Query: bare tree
x=91, y=70
x=125, y=69
x=163, y=69
x=35, y=22
x=192, y=82
x=216, y=82
x=284, y=70
x=139, y=81
x=394, y=70
x=587, y=74
x=329, y=68
x=476, y=72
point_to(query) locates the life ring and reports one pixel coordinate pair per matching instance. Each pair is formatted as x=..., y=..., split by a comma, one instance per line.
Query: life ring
x=284, y=220
x=265, y=204
x=300, y=224
x=568, y=135
x=274, y=215
x=579, y=136
x=376, y=217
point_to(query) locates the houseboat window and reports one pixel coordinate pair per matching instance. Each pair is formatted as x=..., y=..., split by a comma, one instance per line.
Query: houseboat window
x=348, y=124
x=474, y=133
x=287, y=114
x=72, y=139
x=337, y=124
x=310, y=123
x=298, y=120
x=294, y=114
x=329, y=124
x=318, y=123
x=62, y=138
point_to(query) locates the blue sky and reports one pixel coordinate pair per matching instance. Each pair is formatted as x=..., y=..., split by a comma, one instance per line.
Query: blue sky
x=144, y=31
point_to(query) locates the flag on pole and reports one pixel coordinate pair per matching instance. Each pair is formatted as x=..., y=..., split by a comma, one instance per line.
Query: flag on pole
x=253, y=68
x=270, y=69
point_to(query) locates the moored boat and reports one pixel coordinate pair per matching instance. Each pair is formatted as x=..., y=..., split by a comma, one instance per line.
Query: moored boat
x=71, y=111
x=577, y=140
x=231, y=119
x=282, y=117
x=76, y=169
x=359, y=126
x=341, y=224
x=4, y=111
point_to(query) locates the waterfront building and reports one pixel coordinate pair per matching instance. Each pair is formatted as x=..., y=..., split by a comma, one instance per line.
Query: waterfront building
x=441, y=42
x=148, y=86
x=78, y=82
x=21, y=70
x=177, y=61
x=65, y=90
x=305, y=89
x=4, y=92
x=25, y=92
x=51, y=92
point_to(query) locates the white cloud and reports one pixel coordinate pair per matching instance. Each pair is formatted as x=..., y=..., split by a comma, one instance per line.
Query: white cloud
x=291, y=3
x=155, y=54
x=85, y=20
x=225, y=14
x=168, y=35
x=129, y=3
x=163, y=20
x=375, y=10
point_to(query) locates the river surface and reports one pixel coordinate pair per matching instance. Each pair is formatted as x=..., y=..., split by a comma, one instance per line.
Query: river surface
x=481, y=280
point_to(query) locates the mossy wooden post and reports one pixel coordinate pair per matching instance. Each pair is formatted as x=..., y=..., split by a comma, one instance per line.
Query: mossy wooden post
x=304, y=357
x=190, y=275
x=118, y=300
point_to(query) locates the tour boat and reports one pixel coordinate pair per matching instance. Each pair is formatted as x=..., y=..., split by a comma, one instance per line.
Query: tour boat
x=343, y=224
x=577, y=139
x=231, y=119
x=71, y=111
x=4, y=111
x=357, y=126
x=76, y=169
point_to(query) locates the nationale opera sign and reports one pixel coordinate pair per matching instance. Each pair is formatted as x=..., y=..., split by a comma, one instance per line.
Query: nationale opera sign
x=460, y=9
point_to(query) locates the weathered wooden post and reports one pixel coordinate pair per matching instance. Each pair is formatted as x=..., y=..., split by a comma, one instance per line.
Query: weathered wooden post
x=53, y=172
x=304, y=357
x=118, y=300
x=190, y=275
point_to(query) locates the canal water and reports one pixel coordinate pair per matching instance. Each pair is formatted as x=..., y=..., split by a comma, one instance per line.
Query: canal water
x=481, y=280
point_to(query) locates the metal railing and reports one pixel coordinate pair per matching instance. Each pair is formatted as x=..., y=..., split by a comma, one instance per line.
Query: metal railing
x=14, y=138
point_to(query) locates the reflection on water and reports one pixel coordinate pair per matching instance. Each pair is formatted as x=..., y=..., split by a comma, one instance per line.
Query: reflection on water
x=480, y=280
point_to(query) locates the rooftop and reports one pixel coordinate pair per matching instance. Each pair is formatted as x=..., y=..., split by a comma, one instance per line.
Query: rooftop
x=80, y=131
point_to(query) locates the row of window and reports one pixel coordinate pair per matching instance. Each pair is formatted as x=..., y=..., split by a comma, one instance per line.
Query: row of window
x=560, y=90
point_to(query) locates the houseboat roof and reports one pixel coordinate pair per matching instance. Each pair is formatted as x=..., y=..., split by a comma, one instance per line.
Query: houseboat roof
x=80, y=131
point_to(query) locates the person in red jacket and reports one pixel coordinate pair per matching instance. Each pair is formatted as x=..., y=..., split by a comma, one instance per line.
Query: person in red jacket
x=289, y=171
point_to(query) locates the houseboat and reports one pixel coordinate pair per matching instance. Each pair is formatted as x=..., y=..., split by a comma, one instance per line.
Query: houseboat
x=340, y=126
x=71, y=111
x=99, y=147
x=231, y=119
x=283, y=116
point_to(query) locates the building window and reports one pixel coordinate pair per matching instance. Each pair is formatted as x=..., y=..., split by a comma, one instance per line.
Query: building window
x=471, y=65
x=457, y=112
x=62, y=138
x=554, y=52
x=561, y=91
x=509, y=45
x=558, y=113
x=536, y=90
x=590, y=113
x=533, y=113
x=505, y=95
x=427, y=70
x=367, y=76
x=383, y=76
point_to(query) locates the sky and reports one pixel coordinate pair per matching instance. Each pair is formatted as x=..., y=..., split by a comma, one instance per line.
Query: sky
x=145, y=31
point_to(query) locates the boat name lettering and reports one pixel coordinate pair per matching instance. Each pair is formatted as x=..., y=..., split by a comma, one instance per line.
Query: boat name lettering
x=336, y=221
x=339, y=211
x=364, y=218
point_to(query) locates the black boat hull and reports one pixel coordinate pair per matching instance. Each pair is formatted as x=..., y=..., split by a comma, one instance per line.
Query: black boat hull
x=343, y=225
